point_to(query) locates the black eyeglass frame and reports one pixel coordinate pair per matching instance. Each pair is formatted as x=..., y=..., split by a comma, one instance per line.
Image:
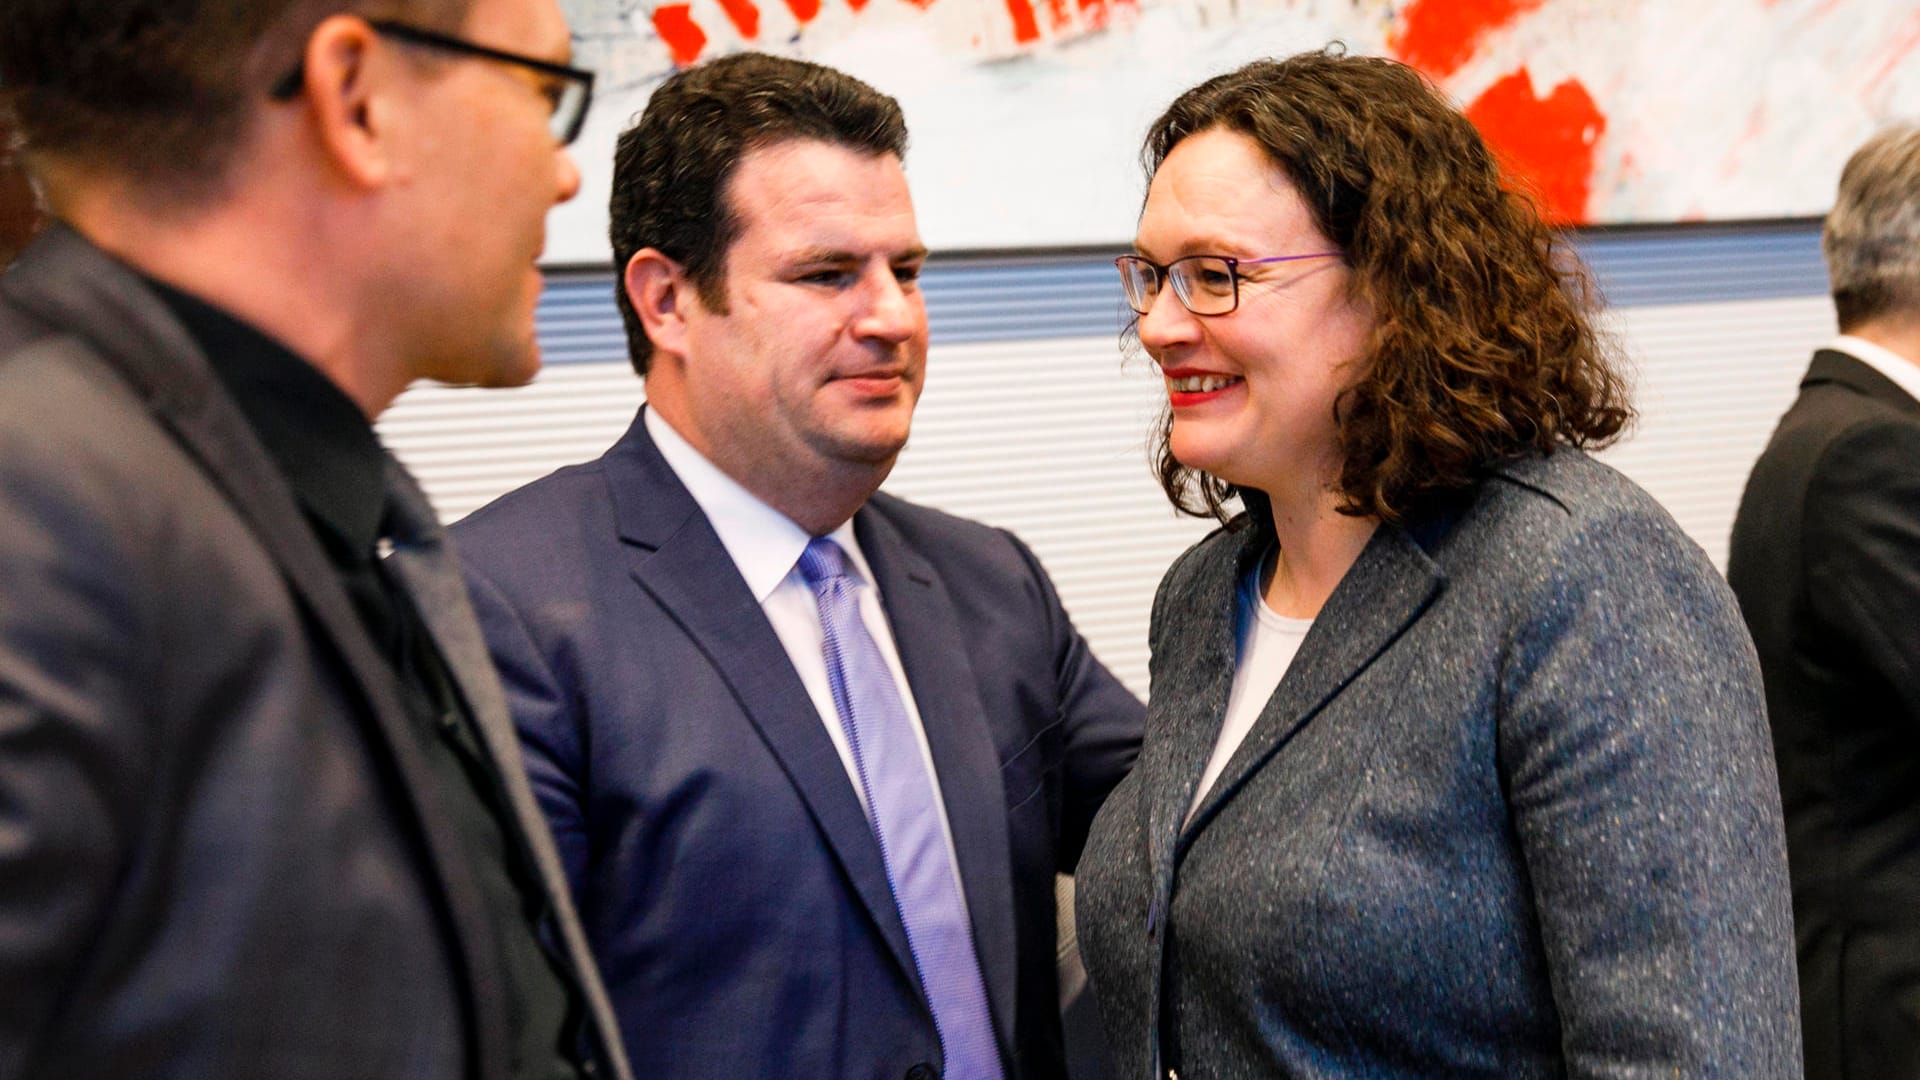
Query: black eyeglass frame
x=1182, y=292
x=288, y=85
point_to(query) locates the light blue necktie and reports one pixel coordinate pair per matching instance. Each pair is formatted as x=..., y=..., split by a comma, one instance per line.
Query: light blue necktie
x=905, y=819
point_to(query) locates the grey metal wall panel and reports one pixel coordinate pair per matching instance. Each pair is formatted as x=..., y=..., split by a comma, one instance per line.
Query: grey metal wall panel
x=1704, y=265
x=1045, y=297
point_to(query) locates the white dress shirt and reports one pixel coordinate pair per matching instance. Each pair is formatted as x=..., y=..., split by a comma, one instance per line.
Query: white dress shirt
x=1905, y=373
x=765, y=546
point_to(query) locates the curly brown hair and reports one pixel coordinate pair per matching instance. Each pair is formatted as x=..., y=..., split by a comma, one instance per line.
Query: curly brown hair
x=1482, y=349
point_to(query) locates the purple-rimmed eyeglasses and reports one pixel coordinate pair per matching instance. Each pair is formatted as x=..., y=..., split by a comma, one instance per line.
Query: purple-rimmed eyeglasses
x=1205, y=284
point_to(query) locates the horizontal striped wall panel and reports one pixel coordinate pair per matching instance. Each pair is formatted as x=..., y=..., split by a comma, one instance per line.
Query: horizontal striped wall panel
x=1711, y=380
x=1032, y=297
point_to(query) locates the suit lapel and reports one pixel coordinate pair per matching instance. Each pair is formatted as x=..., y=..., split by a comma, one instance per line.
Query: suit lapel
x=429, y=571
x=74, y=285
x=1387, y=588
x=926, y=630
x=679, y=560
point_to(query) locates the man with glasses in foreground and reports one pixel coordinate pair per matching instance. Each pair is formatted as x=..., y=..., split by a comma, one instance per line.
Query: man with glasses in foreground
x=813, y=754
x=261, y=811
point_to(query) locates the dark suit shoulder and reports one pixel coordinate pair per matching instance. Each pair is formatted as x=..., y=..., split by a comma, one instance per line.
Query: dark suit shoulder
x=1872, y=436
x=1862, y=492
x=546, y=537
x=1835, y=439
x=567, y=488
x=914, y=520
x=960, y=548
x=1827, y=411
x=1839, y=399
x=68, y=419
x=17, y=329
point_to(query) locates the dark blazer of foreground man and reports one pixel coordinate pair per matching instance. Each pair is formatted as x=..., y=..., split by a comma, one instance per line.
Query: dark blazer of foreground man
x=728, y=874
x=1826, y=562
x=232, y=845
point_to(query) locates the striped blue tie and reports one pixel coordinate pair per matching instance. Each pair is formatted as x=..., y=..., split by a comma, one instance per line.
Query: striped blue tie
x=905, y=819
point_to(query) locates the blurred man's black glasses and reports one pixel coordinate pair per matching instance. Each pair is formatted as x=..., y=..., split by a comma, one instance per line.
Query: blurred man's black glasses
x=568, y=90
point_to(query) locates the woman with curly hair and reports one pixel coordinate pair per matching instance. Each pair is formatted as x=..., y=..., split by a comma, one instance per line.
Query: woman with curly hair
x=1457, y=761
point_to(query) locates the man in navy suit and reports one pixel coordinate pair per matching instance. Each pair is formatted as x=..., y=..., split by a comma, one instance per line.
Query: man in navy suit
x=813, y=754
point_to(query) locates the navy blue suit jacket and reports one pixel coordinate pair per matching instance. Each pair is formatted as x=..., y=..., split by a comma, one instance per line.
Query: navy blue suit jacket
x=731, y=888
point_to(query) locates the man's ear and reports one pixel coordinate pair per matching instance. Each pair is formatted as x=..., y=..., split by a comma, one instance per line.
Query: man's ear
x=349, y=91
x=661, y=293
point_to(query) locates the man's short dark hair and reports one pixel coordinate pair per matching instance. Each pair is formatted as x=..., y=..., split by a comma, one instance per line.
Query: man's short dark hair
x=1872, y=235
x=160, y=91
x=673, y=168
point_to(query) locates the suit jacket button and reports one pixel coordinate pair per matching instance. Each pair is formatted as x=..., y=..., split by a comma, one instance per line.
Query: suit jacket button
x=923, y=1071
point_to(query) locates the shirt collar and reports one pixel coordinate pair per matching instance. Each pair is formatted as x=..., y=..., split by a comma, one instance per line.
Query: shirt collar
x=1904, y=373
x=322, y=443
x=764, y=543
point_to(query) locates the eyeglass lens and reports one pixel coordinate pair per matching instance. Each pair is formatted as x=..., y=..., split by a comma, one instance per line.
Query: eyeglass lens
x=569, y=111
x=1206, y=284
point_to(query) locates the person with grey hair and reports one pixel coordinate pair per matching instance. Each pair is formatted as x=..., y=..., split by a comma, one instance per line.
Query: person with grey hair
x=262, y=814
x=1826, y=562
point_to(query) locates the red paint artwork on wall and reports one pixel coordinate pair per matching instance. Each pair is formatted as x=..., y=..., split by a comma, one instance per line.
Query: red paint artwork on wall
x=1545, y=144
x=684, y=39
x=1026, y=30
x=1606, y=111
x=1438, y=36
x=1030, y=21
x=744, y=16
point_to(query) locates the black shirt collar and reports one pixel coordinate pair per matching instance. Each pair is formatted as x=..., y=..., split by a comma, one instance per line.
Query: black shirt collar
x=322, y=442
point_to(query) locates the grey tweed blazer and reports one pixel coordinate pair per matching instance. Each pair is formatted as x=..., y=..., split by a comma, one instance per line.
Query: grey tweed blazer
x=1511, y=813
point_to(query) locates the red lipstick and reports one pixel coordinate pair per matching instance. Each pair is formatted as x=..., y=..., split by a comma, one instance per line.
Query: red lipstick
x=1181, y=399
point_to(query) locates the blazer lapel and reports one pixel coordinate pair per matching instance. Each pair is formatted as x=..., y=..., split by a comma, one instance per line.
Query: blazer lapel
x=1388, y=587
x=1192, y=678
x=76, y=285
x=926, y=630
x=429, y=569
x=679, y=560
